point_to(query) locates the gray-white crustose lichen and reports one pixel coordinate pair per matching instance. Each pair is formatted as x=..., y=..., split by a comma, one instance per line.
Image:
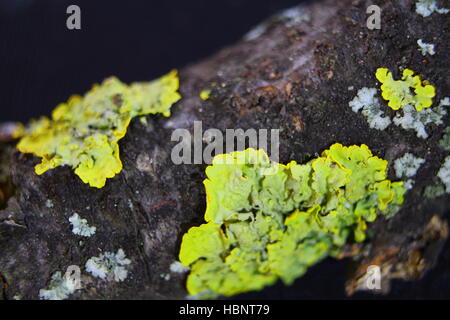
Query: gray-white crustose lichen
x=60, y=287
x=426, y=48
x=177, y=267
x=411, y=119
x=408, y=117
x=406, y=167
x=80, y=226
x=444, y=174
x=49, y=203
x=426, y=7
x=371, y=108
x=439, y=189
x=109, y=265
x=445, y=140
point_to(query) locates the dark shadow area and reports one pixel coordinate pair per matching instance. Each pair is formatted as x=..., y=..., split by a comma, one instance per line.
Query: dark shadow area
x=42, y=63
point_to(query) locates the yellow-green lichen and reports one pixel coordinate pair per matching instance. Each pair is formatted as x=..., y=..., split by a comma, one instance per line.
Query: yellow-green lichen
x=83, y=133
x=267, y=221
x=204, y=94
x=399, y=92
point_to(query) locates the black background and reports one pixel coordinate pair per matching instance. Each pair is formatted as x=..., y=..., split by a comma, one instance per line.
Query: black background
x=42, y=63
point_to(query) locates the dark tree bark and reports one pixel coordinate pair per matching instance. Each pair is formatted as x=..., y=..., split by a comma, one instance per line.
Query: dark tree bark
x=294, y=77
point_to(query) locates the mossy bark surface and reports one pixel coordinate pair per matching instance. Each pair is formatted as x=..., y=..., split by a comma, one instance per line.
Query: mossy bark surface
x=294, y=77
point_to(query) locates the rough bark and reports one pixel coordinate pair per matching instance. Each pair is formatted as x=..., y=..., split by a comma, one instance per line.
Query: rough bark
x=295, y=76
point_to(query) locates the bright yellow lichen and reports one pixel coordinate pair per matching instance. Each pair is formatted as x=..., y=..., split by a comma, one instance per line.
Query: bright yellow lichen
x=267, y=221
x=204, y=94
x=83, y=133
x=399, y=92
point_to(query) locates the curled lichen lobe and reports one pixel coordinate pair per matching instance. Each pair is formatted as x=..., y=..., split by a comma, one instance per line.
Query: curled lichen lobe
x=83, y=132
